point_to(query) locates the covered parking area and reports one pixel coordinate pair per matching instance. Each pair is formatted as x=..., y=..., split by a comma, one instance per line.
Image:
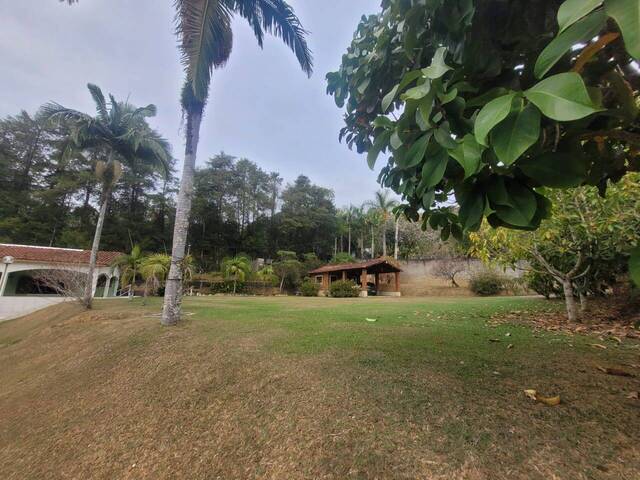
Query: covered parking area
x=23, y=268
x=379, y=277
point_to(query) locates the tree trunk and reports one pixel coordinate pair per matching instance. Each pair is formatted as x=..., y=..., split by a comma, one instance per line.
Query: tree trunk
x=349, y=244
x=173, y=288
x=93, y=258
x=373, y=244
x=570, y=302
x=234, y=286
x=397, y=234
x=384, y=240
x=583, y=302
x=335, y=246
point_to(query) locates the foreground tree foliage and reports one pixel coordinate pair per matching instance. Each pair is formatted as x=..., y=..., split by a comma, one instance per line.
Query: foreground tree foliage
x=580, y=251
x=488, y=101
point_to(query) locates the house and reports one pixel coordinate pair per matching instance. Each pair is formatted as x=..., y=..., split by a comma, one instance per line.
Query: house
x=379, y=276
x=20, y=266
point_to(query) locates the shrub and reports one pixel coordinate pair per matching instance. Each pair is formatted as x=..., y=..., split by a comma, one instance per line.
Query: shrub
x=344, y=289
x=486, y=282
x=226, y=286
x=309, y=288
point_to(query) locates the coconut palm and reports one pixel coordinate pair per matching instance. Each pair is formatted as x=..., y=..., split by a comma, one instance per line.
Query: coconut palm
x=119, y=133
x=206, y=39
x=129, y=265
x=236, y=269
x=384, y=205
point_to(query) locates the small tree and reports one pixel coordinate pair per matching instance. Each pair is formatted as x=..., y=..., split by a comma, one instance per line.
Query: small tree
x=236, y=269
x=447, y=269
x=288, y=268
x=66, y=283
x=582, y=247
x=129, y=265
x=154, y=270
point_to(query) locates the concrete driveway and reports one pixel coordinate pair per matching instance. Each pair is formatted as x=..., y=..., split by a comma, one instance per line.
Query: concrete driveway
x=13, y=307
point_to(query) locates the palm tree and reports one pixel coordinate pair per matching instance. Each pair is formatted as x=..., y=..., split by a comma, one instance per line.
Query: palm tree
x=236, y=269
x=206, y=39
x=384, y=205
x=118, y=133
x=154, y=271
x=129, y=265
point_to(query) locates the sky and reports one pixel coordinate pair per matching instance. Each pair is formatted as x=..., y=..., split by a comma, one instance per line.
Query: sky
x=262, y=106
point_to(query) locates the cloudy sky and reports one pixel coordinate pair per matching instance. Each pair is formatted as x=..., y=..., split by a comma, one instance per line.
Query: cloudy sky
x=262, y=106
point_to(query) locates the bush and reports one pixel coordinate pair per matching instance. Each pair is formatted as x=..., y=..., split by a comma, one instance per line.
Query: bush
x=226, y=286
x=486, y=282
x=344, y=289
x=309, y=288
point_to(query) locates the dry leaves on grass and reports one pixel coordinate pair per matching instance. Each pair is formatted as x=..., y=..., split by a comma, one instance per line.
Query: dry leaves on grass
x=607, y=318
x=616, y=371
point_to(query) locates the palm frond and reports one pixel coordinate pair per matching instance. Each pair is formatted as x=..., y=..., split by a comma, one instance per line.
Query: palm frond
x=101, y=103
x=206, y=39
x=278, y=19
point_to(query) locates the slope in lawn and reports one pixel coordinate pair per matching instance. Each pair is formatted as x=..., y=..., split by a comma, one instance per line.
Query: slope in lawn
x=308, y=388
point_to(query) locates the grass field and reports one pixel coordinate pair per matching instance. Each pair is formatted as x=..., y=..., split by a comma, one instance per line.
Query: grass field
x=293, y=388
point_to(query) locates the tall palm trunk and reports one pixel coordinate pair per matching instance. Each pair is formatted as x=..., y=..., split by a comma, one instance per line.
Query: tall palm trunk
x=397, y=235
x=349, y=244
x=384, y=238
x=93, y=258
x=373, y=243
x=173, y=290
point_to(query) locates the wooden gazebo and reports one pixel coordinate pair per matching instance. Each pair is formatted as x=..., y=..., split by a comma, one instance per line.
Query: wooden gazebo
x=359, y=273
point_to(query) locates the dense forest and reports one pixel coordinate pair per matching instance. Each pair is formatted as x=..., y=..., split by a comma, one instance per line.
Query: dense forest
x=49, y=195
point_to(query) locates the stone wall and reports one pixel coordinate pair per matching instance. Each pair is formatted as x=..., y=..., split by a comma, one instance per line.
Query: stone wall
x=418, y=278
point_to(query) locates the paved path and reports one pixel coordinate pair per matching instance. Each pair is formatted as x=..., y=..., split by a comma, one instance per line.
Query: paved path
x=13, y=307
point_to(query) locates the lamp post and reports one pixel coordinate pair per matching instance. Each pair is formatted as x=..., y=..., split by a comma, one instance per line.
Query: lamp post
x=8, y=260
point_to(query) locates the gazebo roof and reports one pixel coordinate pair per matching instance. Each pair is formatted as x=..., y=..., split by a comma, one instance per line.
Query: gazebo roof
x=29, y=253
x=377, y=265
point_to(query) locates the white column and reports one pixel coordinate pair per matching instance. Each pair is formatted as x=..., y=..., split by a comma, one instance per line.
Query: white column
x=3, y=280
x=107, y=284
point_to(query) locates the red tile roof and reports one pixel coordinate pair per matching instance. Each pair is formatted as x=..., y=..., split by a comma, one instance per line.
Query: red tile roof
x=26, y=253
x=357, y=266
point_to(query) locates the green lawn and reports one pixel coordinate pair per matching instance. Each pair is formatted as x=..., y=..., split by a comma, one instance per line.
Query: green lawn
x=308, y=388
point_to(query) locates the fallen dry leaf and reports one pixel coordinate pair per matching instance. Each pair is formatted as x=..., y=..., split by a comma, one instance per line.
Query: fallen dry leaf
x=598, y=345
x=616, y=371
x=550, y=401
x=634, y=396
x=510, y=346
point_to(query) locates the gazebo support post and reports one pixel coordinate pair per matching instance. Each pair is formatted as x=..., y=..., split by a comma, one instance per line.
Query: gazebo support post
x=377, y=275
x=397, y=282
x=363, y=281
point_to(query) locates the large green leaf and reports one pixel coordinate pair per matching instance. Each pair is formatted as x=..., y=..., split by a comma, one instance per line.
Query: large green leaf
x=417, y=150
x=418, y=92
x=512, y=137
x=627, y=14
x=519, y=205
x=562, y=97
x=583, y=30
x=379, y=143
x=555, y=170
x=406, y=80
x=634, y=266
x=438, y=66
x=492, y=114
x=434, y=167
x=472, y=203
x=573, y=10
x=468, y=154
